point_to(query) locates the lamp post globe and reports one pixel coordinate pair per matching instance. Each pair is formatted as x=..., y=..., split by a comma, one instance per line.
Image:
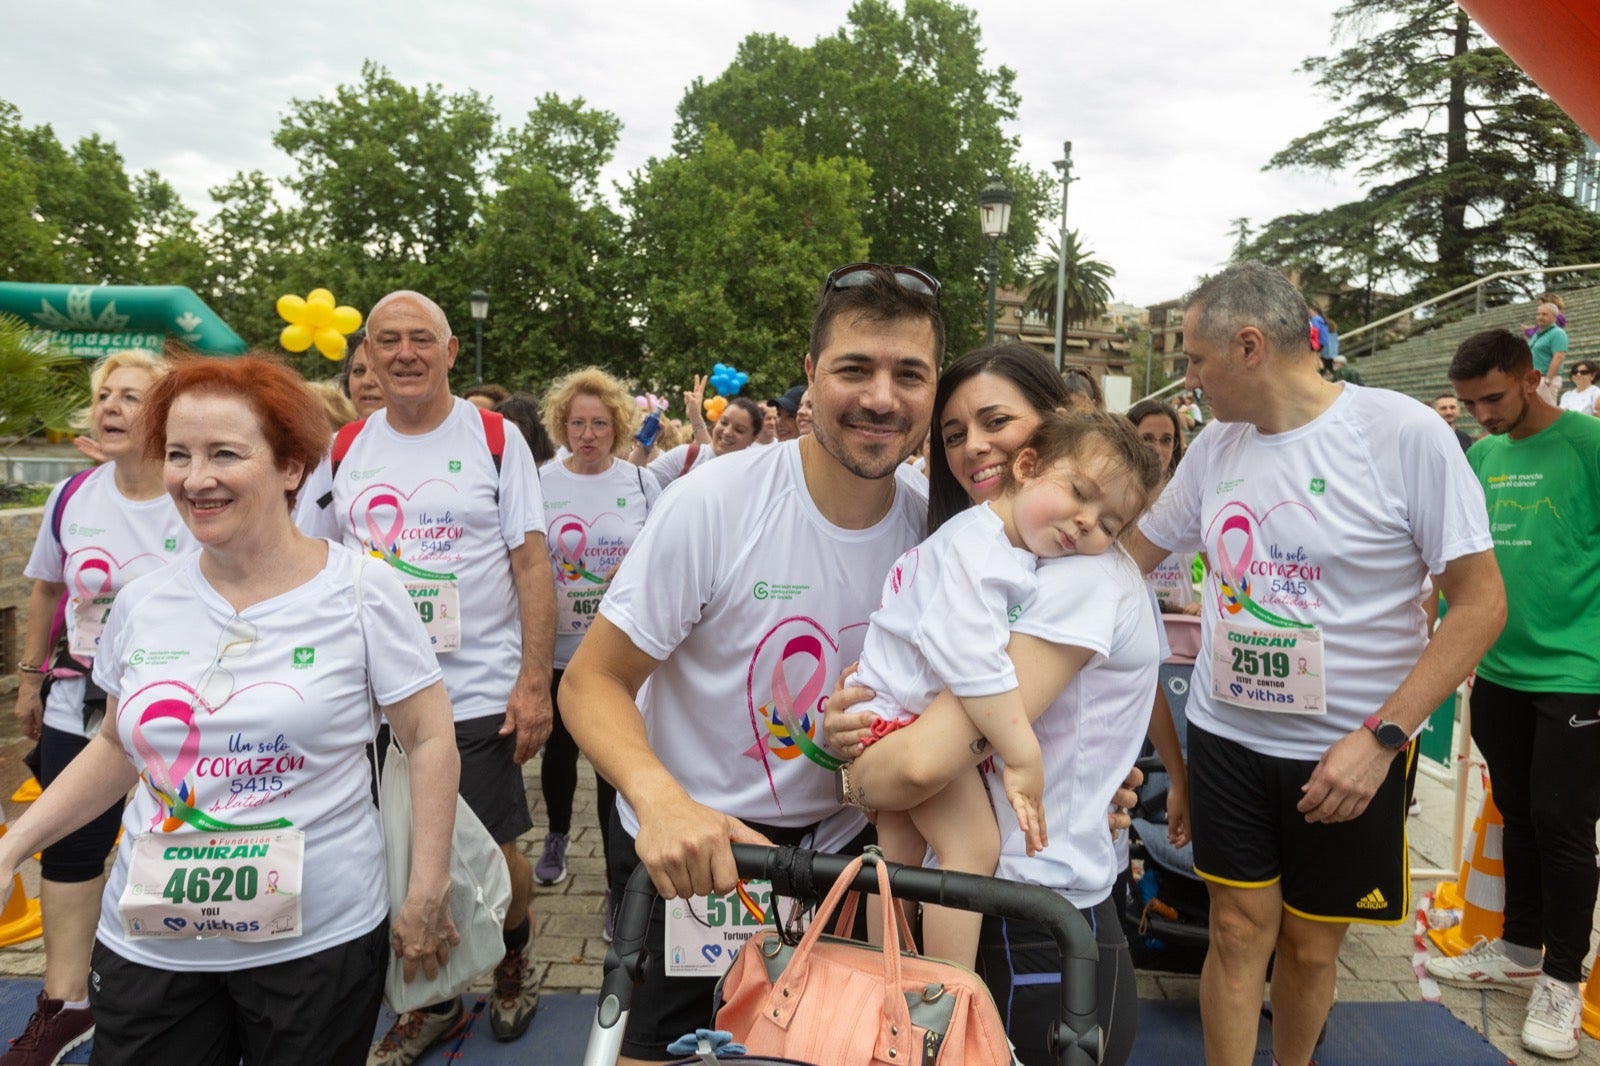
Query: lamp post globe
x=994, y=214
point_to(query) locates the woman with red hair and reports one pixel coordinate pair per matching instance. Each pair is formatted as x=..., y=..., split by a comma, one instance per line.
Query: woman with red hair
x=247, y=914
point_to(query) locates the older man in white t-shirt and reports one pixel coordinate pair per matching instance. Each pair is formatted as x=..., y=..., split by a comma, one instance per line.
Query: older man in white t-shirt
x=738, y=605
x=1324, y=508
x=438, y=489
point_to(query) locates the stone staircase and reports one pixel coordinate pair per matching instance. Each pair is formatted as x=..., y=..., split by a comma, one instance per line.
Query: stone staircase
x=1418, y=365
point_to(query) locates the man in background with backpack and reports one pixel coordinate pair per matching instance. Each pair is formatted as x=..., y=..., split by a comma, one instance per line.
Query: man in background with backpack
x=439, y=490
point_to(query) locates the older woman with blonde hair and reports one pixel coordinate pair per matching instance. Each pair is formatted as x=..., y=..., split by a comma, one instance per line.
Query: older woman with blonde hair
x=594, y=506
x=243, y=683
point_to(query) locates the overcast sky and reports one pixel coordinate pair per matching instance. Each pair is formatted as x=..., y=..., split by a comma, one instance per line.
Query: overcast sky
x=1172, y=105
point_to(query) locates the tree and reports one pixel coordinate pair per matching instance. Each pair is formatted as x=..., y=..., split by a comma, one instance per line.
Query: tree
x=908, y=94
x=1462, y=153
x=27, y=241
x=1088, y=283
x=550, y=251
x=391, y=174
x=171, y=250
x=39, y=387
x=727, y=247
x=85, y=197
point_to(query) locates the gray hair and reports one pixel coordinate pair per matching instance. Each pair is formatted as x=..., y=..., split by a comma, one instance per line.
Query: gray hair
x=1252, y=294
x=430, y=308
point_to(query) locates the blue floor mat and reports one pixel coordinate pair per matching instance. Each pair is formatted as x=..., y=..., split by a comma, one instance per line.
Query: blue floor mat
x=560, y=1030
x=1359, y=1034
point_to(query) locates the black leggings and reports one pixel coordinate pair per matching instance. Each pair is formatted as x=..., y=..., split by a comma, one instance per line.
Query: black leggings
x=81, y=854
x=1022, y=967
x=1543, y=751
x=558, y=776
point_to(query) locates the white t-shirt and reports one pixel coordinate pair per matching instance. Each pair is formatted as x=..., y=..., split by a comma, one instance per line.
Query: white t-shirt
x=669, y=466
x=592, y=521
x=433, y=503
x=286, y=739
x=1172, y=580
x=1581, y=400
x=1336, y=524
x=1092, y=732
x=107, y=540
x=735, y=581
x=946, y=614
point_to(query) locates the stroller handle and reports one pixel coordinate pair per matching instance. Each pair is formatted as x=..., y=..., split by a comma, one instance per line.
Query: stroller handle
x=807, y=875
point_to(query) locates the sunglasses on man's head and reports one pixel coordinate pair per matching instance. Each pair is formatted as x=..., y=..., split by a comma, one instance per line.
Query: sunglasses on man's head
x=853, y=274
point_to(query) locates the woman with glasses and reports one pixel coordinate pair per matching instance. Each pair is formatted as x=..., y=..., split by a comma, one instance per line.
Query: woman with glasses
x=594, y=507
x=102, y=529
x=1584, y=392
x=247, y=914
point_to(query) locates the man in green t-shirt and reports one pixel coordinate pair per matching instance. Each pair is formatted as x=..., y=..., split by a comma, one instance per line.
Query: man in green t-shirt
x=1549, y=345
x=1536, y=703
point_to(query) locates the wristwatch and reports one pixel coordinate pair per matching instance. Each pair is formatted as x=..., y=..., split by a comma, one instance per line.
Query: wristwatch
x=1391, y=736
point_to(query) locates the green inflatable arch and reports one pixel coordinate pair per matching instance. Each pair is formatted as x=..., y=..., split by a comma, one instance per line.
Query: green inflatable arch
x=93, y=320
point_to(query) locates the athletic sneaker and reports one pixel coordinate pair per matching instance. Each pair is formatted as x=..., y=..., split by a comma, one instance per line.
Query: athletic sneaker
x=1554, y=1014
x=52, y=1031
x=415, y=1032
x=551, y=869
x=609, y=928
x=1484, y=964
x=515, y=998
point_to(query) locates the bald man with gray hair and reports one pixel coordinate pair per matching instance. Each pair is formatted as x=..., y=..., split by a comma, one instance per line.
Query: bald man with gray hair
x=1549, y=347
x=451, y=500
x=1325, y=508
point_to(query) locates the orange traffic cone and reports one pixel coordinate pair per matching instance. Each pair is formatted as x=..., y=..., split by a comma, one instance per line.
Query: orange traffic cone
x=1480, y=893
x=28, y=791
x=20, y=920
x=1591, y=1001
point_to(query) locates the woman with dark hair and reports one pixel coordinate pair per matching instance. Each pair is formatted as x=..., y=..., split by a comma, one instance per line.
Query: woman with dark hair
x=243, y=685
x=358, y=381
x=522, y=408
x=1085, y=653
x=735, y=431
x=1584, y=394
x=1158, y=425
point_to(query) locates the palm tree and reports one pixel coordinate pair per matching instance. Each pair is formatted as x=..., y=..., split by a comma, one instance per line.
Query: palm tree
x=1088, y=283
x=36, y=388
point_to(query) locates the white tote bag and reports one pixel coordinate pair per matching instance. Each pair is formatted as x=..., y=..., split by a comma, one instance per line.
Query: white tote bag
x=480, y=893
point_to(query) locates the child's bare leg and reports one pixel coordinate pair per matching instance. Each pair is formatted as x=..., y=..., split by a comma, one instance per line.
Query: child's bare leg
x=959, y=825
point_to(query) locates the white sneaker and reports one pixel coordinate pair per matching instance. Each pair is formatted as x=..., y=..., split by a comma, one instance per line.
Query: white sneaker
x=1485, y=964
x=1555, y=1013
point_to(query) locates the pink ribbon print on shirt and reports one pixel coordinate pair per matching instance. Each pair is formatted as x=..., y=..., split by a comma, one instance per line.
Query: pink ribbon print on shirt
x=1233, y=570
x=173, y=784
x=571, y=541
x=785, y=725
x=381, y=513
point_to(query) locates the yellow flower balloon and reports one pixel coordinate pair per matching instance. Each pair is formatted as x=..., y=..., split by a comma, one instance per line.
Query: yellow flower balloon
x=316, y=319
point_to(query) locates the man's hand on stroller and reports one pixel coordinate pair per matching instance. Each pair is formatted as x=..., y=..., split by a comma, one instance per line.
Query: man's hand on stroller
x=684, y=845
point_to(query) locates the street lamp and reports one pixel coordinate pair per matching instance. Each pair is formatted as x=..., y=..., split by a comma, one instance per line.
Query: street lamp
x=479, y=302
x=1064, y=164
x=994, y=211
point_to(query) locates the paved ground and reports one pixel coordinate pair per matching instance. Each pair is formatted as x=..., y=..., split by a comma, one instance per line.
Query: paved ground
x=1375, y=964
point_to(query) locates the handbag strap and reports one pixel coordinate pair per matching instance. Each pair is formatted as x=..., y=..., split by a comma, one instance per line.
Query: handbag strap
x=894, y=1025
x=846, y=920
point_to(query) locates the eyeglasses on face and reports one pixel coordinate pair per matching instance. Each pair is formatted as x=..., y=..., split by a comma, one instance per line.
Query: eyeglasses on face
x=852, y=275
x=1576, y=372
x=577, y=426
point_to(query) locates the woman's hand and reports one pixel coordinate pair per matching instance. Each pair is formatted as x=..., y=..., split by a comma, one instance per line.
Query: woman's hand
x=30, y=707
x=845, y=732
x=1178, y=812
x=1124, y=800
x=694, y=402
x=423, y=934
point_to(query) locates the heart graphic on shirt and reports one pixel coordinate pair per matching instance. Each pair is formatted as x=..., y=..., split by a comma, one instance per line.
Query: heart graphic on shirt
x=379, y=512
x=904, y=572
x=790, y=675
x=175, y=924
x=93, y=571
x=1233, y=550
x=1236, y=688
x=712, y=952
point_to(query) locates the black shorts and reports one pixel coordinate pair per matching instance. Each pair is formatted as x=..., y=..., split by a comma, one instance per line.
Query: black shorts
x=665, y=1008
x=491, y=780
x=80, y=855
x=321, y=1008
x=1248, y=834
x=1021, y=964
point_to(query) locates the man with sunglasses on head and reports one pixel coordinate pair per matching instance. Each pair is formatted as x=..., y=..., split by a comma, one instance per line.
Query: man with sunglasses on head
x=697, y=691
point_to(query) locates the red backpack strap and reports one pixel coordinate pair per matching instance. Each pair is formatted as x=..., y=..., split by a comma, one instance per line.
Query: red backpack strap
x=494, y=435
x=689, y=457
x=342, y=441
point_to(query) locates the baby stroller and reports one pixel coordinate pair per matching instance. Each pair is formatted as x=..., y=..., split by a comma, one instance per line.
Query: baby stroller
x=1166, y=909
x=806, y=875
